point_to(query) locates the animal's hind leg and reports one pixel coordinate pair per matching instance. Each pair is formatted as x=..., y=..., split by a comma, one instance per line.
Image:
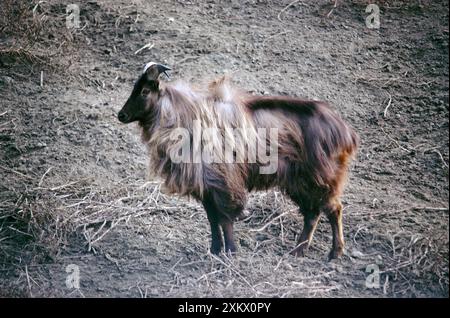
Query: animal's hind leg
x=311, y=218
x=334, y=213
x=311, y=215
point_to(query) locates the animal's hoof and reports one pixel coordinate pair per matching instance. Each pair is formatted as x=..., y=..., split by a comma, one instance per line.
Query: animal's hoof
x=215, y=250
x=229, y=253
x=230, y=250
x=299, y=252
x=335, y=254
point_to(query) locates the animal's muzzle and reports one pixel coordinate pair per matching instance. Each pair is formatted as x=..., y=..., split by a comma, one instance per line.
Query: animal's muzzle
x=123, y=117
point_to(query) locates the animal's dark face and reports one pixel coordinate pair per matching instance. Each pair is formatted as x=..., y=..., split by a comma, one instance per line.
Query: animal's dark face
x=144, y=95
x=140, y=101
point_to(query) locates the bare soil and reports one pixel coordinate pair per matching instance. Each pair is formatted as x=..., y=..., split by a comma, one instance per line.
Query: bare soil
x=74, y=186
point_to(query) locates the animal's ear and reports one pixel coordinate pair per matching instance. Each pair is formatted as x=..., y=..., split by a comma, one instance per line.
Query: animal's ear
x=152, y=70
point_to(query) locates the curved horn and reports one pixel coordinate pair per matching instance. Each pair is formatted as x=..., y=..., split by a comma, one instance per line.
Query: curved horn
x=153, y=70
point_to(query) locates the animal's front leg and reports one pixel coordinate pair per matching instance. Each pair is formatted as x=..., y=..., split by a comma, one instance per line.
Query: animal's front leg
x=227, y=228
x=216, y=236
x=222, y=208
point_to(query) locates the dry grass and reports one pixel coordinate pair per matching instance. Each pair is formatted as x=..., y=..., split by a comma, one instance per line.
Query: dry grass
x=42, y=220
x=22, y=19
x=50, y=216
x=34, y=37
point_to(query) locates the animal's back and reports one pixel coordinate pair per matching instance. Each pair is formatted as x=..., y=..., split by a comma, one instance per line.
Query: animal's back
x=316, y=145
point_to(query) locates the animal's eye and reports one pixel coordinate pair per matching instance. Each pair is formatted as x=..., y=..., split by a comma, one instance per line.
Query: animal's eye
x=145, y=91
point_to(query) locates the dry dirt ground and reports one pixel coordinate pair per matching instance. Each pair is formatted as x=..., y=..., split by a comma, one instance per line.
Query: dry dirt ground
x=74, y=188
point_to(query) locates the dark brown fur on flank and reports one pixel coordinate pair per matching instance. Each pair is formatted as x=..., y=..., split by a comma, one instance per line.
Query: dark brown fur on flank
x=315, y=148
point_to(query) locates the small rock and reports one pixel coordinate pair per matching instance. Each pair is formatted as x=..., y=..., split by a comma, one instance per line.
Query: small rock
x=6, y=80
x=375, y=203
x=338, y=268
x=357, y=254
x=379, y=259
x=288, y=266
x=154, y=291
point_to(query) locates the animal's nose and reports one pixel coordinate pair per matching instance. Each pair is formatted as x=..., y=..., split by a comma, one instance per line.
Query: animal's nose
x=122, y=117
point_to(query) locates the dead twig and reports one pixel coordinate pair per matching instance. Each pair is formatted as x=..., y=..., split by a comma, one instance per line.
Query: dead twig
x=285, y=8
x=439, y=154
x=270, y=222
x=332, y=9
x=234, y=271
x=187, y=58
x=429, y=208
x=275, y=35
x=71, y=123
x=387, y=107
x=43, y=176
x=17, y=172
x=28, y=280
x=61, y=186
x=147, y=46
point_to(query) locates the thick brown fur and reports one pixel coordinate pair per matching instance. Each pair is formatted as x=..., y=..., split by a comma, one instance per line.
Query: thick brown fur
x=315, y=148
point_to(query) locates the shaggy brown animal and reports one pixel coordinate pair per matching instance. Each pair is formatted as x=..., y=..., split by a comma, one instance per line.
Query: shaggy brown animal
x=314, y=148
